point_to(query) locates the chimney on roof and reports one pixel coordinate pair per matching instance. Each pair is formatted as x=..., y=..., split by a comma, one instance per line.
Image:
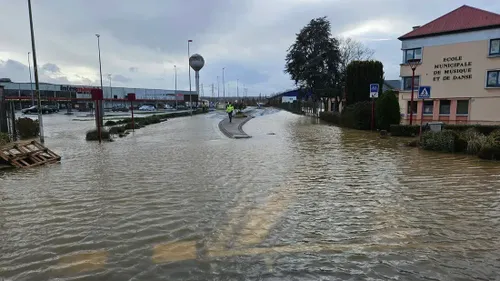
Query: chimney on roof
x=416, y=27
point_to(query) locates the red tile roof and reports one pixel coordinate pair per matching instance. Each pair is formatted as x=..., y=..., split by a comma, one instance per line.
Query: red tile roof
x=461, y=19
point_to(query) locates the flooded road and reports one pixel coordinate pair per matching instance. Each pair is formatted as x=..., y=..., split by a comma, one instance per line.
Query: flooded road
x=180, y=201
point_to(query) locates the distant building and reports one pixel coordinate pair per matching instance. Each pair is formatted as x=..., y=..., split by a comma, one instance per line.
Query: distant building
x=81, y=94
x=460, y=61
x=394, y=85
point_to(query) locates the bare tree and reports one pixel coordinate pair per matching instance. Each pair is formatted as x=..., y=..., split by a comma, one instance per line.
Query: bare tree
x=351, y=50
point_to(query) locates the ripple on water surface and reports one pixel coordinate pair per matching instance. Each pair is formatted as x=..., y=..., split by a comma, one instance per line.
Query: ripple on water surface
x=298, y=201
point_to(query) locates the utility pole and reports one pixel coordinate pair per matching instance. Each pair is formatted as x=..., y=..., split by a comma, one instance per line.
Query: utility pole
x=189, y=70
x=223, y=84
x=31, y=81
x=237, y=90
x=175, y=88
x=35, y=69
x=218, y=88
x=213, y=92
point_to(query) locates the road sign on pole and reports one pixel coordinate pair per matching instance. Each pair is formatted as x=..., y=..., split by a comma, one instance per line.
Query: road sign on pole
x=424, y=92
x=374, y=90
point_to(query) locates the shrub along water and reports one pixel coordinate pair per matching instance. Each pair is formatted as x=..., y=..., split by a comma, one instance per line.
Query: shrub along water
x=27, y=128
x=469, y=141
x=117, y=127
x=356, y=116
x=4, y=138
x=359, y=115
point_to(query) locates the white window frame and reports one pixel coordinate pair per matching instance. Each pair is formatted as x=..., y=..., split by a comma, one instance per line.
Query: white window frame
x=405, y=61
x=403, y=83
x=486, y=79
x=489, y=48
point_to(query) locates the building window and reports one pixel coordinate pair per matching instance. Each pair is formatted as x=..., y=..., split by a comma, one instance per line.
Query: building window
x=407, y=83
x=412, y=54
x=444, y=107
x=495, y=47
x=414, y=107
x=462, y=107
x=493, y=78
x=428, y=107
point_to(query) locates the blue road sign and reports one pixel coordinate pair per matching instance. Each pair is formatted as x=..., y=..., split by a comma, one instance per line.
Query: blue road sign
x=424, y=92
x=374, y=90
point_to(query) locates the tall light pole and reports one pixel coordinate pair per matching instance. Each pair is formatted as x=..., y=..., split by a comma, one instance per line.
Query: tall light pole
x=31, y=81
x=190, y=93
x=237, y=89
x=100, y=107
x=218, y=88
x=223, y=84
x=35, y=69
x=175, y=83
x=110, y=87
x=413, y=65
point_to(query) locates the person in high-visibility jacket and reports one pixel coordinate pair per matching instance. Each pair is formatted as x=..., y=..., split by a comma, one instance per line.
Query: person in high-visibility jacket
x=230, y=110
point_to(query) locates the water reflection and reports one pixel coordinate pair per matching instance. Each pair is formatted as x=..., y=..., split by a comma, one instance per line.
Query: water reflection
x=180, y=201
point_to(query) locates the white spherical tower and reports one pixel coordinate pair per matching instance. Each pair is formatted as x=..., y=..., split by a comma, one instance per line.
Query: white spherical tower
x=197, y=62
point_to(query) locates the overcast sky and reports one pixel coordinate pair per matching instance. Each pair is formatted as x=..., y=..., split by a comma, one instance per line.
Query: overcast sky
x=141, y=41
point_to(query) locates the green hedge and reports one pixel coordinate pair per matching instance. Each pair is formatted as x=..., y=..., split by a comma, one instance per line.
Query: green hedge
x=357, y=116
x=404, y=130
x=331, y=117
x=293, y=107
x=414, y=130
x=483, y=129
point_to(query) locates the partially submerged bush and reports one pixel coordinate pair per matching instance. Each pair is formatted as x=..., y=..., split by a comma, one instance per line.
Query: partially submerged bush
x=110, y=123
x=27, y=128
x=93, y=135
x=445, y=141
x=404, y=130
x=117, y=130
x=4, y=138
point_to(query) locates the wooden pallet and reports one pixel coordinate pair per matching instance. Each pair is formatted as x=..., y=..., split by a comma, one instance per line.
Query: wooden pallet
x=27, y=155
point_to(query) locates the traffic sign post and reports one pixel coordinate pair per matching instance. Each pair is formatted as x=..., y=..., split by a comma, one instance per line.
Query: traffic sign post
x=374, y=87
x=424, y=92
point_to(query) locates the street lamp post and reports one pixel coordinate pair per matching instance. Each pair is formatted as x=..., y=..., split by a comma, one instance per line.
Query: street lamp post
x=413, y=65
x=175, y=87
x=35, y=69
x=31, y=81
x=218, y=88
x=223, y=85
x=190, y=93
x=99, y=103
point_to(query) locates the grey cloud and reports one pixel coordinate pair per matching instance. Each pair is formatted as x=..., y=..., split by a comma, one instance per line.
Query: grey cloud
x=50, y=67
x=19, y=72
x=249, y=37
x=121, y=78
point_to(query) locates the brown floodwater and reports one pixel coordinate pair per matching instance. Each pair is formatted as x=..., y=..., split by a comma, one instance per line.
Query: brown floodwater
x=298, y=201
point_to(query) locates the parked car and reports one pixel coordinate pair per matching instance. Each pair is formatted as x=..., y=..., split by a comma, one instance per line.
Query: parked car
x=34, y=109
x=119, y=109
x=147, y=108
